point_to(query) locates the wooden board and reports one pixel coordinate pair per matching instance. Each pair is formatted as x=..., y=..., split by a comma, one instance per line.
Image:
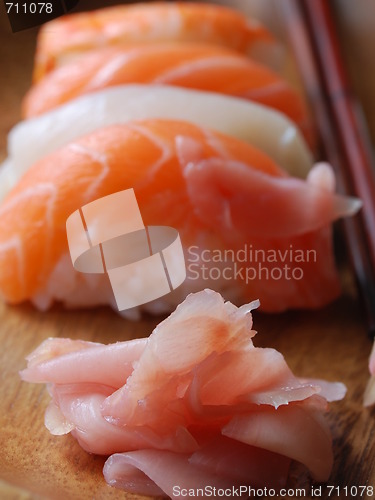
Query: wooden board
x=330, y=343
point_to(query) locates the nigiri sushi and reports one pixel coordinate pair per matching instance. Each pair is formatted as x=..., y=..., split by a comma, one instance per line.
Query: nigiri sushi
x=220, y=193
x=215, y=410
x=259, y=125
x=70, y=36
x=190, y=65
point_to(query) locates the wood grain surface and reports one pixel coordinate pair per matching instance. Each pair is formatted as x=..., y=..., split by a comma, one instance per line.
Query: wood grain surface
x=330, y=343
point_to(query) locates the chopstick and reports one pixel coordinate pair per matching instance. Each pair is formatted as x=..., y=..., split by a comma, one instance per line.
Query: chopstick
x=314, y=41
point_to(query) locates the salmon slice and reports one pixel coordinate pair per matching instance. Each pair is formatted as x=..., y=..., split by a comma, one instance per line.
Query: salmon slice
x=202, y=405
x=160, y=160
x=70, y=36
x=189, y=65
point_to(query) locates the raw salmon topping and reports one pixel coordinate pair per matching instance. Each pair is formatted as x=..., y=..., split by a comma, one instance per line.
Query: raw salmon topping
x=71, y=36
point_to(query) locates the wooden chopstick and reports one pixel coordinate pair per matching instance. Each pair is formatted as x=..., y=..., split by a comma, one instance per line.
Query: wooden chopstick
x=314, y=41
x=343, y=108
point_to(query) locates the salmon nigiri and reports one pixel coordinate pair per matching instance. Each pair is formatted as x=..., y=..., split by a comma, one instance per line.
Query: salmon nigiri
x=68, y=37
x=218, y=192
x=190, y=65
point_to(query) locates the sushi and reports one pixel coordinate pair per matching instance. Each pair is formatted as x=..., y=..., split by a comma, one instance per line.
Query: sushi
x=221, y=194
x=71, y=36
x=262, y=127
x=189, y=65
x=214, y=411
